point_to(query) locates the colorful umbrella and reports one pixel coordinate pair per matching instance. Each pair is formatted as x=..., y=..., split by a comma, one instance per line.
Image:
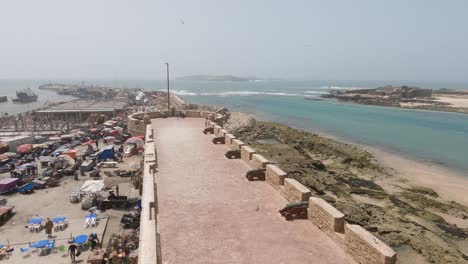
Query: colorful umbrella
x=25, y=148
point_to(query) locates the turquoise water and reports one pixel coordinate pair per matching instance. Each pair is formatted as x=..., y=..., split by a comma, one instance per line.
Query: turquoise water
x=426, y=135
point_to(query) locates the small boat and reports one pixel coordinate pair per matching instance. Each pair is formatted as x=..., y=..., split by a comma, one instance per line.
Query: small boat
x=25, y=96
x=3, y=99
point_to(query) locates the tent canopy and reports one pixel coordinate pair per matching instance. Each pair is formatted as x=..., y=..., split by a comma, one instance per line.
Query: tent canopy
x=91, y=186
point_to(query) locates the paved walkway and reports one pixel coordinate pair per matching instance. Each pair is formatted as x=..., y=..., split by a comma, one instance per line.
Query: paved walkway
x=209, y=212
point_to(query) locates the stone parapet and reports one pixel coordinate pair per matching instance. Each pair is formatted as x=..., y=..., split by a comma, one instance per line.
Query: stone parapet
x=246, y=154
x=259, y=162
x=274, y=176
x=216, y=130
x=191, y=113
x=294, y=191
x=325, y=216
x=366, y=248
x=228, y=138
x=237, y=144
x=222, y=133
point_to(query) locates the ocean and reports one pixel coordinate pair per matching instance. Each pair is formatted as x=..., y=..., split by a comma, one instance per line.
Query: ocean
x=429, y=136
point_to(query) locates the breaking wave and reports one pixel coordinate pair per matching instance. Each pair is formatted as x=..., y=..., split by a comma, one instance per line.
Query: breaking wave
x=182, y=92
x=314, y=92
x=247, y=93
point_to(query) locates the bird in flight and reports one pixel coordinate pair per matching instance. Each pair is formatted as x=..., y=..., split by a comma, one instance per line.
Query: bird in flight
x=181, y=21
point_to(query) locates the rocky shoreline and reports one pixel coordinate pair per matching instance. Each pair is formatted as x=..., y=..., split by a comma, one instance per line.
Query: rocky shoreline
x=367, y=192
x=445, y=100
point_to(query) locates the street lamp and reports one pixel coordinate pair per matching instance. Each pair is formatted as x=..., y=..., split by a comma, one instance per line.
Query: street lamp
x=168, y=96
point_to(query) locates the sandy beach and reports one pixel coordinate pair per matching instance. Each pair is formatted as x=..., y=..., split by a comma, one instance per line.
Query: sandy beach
x=449, y=184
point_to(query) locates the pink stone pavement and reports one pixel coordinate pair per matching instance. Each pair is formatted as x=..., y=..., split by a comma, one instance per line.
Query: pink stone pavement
x=209, y=212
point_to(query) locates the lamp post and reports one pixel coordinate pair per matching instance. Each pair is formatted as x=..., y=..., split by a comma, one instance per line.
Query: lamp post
x=168, y=95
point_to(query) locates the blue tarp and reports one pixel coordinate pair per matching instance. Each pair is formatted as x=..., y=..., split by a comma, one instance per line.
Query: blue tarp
x=27, y=187
x=106, y=152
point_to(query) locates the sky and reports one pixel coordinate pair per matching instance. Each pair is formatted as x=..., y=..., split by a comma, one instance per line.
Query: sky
x=296, y=39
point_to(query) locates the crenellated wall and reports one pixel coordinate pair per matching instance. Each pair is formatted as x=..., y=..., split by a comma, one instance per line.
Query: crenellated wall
x=364, y=247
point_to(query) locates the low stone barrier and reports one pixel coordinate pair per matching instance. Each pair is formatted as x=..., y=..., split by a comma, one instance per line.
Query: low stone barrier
x=191, y=113
x=222, y=133
x=216, y=130
x=259, y=162
x=237, y=144
x=246, y=154
x=366, y=248
x=274, y=176
x=325, y=216
x=294, y=191
x=228, y=138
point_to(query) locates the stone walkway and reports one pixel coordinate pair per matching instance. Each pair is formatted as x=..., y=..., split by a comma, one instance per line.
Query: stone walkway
x=209, y=212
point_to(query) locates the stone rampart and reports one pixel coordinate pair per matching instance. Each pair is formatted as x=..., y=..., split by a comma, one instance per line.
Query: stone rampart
x=259, y=162
x=294, y=191
x=274, y=176
x=228, y=138
x=366, y=248
x=217, y=128
x=325, y=216
x=222, y=132
x=246, y=154
x=237, y=144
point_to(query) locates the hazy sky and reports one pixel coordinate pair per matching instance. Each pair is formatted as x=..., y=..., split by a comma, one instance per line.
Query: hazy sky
x=328, y=39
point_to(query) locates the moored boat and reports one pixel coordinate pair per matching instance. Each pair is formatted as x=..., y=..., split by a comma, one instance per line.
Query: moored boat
x=25, y=96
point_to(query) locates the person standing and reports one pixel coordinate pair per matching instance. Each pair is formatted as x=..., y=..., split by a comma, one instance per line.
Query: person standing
x=48, y=227
x=117, y=189
x=72, y=249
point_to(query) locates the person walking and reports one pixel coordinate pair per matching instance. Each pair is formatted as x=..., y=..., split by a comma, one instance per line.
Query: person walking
x=72, y=249
x=48, y=227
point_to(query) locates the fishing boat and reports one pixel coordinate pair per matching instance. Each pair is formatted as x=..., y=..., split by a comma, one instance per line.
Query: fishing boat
x=3, y=99
x=25, y=96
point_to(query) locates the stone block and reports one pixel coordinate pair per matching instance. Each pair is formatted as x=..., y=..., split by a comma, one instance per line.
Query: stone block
x=325, y=216
x=274, y=176
x=259, y=162
x=246, y=154
x=222, y=132
x=294, y=191
x=228, y=138
x=365, y=248
x=192, y=113
x=217, y=128
x=237, y=144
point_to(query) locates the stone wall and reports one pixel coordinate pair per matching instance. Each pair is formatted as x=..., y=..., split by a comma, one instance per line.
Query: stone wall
x=228, y=138
x=193, y=113
x=294, y=191
x=366, y=248
x=217, y=128
x=259, y=162
x=359, y=243
x=222, y=133
x=274, y=176
x=246, y=154
x=325, y=216
x=237, y=144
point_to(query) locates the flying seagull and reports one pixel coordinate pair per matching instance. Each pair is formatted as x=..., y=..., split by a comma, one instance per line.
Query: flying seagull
x=181, y=21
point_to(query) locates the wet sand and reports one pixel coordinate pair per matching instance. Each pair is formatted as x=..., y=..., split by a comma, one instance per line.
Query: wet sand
x=449, y=184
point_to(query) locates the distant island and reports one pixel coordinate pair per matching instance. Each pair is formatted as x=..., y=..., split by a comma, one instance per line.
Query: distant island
x=447, y=100
x=217, y=78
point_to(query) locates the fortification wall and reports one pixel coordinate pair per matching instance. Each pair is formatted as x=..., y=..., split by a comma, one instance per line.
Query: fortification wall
x=359, y=243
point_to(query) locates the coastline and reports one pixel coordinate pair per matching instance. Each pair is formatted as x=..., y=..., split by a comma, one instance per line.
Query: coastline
x=407, y=170
x=449, y=184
